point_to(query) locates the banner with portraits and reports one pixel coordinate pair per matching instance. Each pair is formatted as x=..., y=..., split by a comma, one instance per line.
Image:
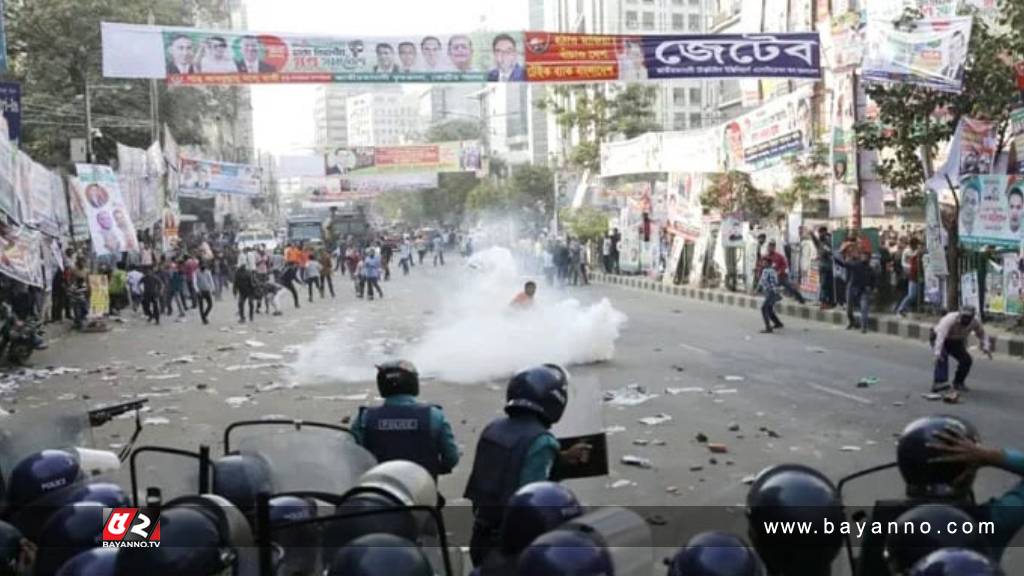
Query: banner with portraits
x=358, y=161
x=992, y=211
x=977, y=146
x=969, y=290
x=20, y=255
x=109, y=218
x=843, y=41
x=685, y=216
x=327, y=191
x=196, y=57
x=204, y=177
x=933, y=54
x=763, y=137
x=1013, y=268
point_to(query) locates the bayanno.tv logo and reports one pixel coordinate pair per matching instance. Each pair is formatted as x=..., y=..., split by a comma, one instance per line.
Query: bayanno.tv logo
x=131, y=528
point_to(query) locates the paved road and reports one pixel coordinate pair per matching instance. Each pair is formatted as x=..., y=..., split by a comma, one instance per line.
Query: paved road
x=800, y=384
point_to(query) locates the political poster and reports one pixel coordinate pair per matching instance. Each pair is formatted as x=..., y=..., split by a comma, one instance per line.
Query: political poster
x=20, y=255
x=991, y=211
x=22, y=183
x=763, y=137
x=10, y=105
x=99, y=295
x=640, y=155
x=204, y=177
x=196, y=57
x=110, y=224
x=732, y=232
x=843, y=42
x=80, y=221
x=672, y=264
x=995, y=295
x=934, y=236
x=131, y=161
x=810, y=273
x=465, y=156
x=933, y=54
x=44, y=211
x=843, y=143
x=969, y=293
x=683, y=208
x=8, y=200
x=1017, y=141
x=1013, y=291
x=978, y=141
x=59, y=203
x=327, y=191
x=170, y=149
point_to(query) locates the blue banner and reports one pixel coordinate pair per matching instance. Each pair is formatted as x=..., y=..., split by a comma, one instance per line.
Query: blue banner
x=10, y=105
x=789, y=55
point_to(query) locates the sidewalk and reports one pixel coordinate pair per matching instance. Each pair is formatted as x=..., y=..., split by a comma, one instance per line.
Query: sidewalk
x=1003, y=342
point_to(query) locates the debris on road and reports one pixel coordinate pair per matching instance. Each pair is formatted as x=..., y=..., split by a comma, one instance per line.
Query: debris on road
x=238, y=401
x=65, y=397
x=631, y=395
x=672, y=490
x=641, y=442
x=656, y=420
x=344, y=398
x=614, y=430
x=718, y=448
x=187, y=359
x=722, y=391
x=850, y=448
x=236, y=368
x=293, y=349
x=156, y=421
x=702, y=438
x=769, y=432
x=867, y=381
x=254, y=344
x=163, y=376
x=816, y=350
x=227, y=348
x=636, y=461
x=953, y=398
x=265, y=357
x=734, y=427
x=621, y=484
x=696, y=468
x=748, y=480
x=932, y=397
x=678, y=391
x=734, y=378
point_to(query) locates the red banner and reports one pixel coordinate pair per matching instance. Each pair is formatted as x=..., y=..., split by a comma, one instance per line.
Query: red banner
x=407, y=155
x=577, y=57
x=1020, y=75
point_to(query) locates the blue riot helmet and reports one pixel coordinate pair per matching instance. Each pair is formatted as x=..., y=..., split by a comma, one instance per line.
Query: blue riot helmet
x=70, y=529
x=200, y=536
x=543, y=390
x=297, y=544
x=609, y=541
x=794, y=493
x=41, y=473
x=379, y=555
x=534, y=509
x=956, y=562
x=95, y=562
x=924, y=477
x=107, y=493
x=565, y=553
x=715, y=554
x=927, y=528
x=10, y=549
x=240, y=478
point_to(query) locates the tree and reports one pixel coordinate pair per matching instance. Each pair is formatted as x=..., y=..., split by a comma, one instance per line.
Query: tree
x=810, y=174
x=586, y=223
x=54, y=48
x=489, y=197
x=446, y=204
x=734, y=192
x=533, y=186
x=453, y=130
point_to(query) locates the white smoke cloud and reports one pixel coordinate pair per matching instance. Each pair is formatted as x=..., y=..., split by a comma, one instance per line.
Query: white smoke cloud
x=475, y=336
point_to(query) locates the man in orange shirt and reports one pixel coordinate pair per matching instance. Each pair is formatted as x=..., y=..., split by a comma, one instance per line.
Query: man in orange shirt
x=525, y=298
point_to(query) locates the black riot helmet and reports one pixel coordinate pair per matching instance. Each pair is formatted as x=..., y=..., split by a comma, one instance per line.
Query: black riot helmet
x=927, y=528
x=927, y=479
x=398, y=377
x=71, y=529
x=543, y=390
x=94, y=562
x=10, y=549
x=794, y=493
x=956, y=562
x=715, y=554
x=533, y=510
x=241, y=478
x=380, y=555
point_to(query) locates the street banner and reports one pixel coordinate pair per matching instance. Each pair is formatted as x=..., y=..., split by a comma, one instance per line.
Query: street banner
x=1017, y=141
x=131, y=161
x=843, y=42
x=672, y=265
x=43, y=215
x=10, y=105
x=932, y=55
x=204, y=177
x=732, y=233
x=640, y=155
x=690, y=151
x=190, y=56
x=155, y=164
x=995, y=298
x=59, y=203
x=20, y=255
x=80, y=221
x=751, y=22
x=977, y=150
x=22, y=183
x=810, y=274
x=99, y=296
x=8, y=201
x=991, y=211
x=763, y=137
x=700, y=254
x=327, y=191
x=110, y=225
x=969, y=294
x=933, y=236
x=466, y=156
x=684, y=212
x=1012, y=270
x=938, y=8
x=170, y=221
x=843, y=143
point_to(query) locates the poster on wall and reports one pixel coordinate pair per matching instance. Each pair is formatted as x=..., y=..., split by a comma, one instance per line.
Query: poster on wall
x=683, y=209
x=763, y=137
x=20, y=256
x=1017, y=141
x=977, y=146
x=1013, y=267
x=995, y=296
x=933, y=54
x=843, y=151
x=674, y=256
x=969, y=293
x=733, y=230
x=992, y=211
x=107, y=213
x=99, y=296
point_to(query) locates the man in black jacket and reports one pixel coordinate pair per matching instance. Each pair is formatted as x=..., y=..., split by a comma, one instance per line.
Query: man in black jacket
x=245, y=291
x=860, y=279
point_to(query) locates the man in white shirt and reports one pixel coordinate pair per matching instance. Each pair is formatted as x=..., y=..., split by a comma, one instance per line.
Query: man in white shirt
x=949, y=338
x=216, y=59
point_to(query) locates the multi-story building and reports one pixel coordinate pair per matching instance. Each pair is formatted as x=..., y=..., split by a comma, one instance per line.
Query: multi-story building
x=443, y=102
x=382, y=118
x=330, y=115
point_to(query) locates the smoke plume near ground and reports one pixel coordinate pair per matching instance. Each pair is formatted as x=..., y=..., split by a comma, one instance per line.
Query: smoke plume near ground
x=475, y=336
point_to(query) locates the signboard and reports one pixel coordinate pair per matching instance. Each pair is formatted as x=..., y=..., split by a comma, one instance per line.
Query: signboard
x=110, y=223
x=684, y=213
x=932, y=55
x=992, y=211
x=762, y=138
x=202, y=177
x=357, y=161
x=194, y=57
x=10, y=104
x=20, y=255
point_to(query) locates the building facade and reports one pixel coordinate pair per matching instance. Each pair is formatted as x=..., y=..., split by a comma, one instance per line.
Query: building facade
x=382, y=118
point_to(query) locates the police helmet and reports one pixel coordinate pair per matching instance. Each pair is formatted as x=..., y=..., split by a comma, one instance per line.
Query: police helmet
x=715, y=554
x=543, y=390
x=407, y=482
x=398, y=377
x=368, y=513
x=107, y=493
x=565, y=553
x=240, y=478
x=533, y=510
x=199, y=535
x=70, y=530
x=794, y=493
x=95, y=562
x=41, y=473
x=927, y=479
x=927, y=528
x=380, y=555
x=296, y=543
x=956, y=562
x=10, y=549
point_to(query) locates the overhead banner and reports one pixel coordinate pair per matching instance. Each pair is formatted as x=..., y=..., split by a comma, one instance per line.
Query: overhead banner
x=932, y=55
x=326, y=191
x=639, y=155
x=762, y=138
x=203, y=177
x=110, y=225
x=992, y=211
x=843, y=143
x=21, y=256
x=10, y=105
x=131, y=161
x=843, y=42
x=466, y=156
x=197, y=57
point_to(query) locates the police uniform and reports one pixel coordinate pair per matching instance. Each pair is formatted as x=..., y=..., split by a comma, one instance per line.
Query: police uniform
x=404, y=429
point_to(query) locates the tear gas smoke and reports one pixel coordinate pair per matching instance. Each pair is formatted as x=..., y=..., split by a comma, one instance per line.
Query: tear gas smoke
x=475, y=336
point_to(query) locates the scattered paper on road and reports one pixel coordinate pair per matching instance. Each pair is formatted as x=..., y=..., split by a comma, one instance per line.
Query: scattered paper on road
x=678, y=391
x=656, y=420
x=344, y=398
x=237, y=401
x=254, y=344
x=156, y=421
x=163, y=376
x=265, y=357
x=632, y=395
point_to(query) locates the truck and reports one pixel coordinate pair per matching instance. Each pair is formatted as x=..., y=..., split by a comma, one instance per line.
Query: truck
x=305, y=228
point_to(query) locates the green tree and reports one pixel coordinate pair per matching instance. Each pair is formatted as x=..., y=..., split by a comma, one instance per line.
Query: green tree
x=446, y=204
x=533, y=186
x=734, y=192
x=810, y=175
x=54, y=48
x=586, y=223
x=453, y=130
x=489, y=196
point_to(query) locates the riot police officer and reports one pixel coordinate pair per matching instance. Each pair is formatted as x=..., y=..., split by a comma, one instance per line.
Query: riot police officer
x=380, y=555
x=956, y=562
x=904, y=548
x=610, y=541
x=404, y=429
x=518, y=449
x=715, y=554
x=938, y=458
